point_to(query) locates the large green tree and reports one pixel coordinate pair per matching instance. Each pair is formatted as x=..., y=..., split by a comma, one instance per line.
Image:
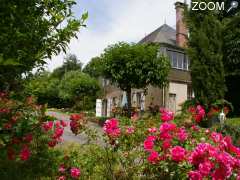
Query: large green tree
x=231, y=59
x=135, y=66
x=206, y=53
x=94, y=68
x=31, y=31
x=80, y=88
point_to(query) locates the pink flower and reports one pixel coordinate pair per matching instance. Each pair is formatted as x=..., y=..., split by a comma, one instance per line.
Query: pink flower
x=134, y=117
x=63, y=123
x=58, y=133
x=207, y=131
x=178, y=153
x=166, y=145
x=130, y=130
x=199, y=114
x=205, y=168
x=151, y=138
x=25, y=153
x=166, y=136
x=152, y=130
x=195, y=128
x=111, y=128
x=28, y=138
x=166, y=115
x=47, y=126
x=182, y=135
x=216, y=137
x=153, y=158
x=75, y=117
x=62, y=178
x=61, y=168
x=75, y=172
x=195, y=175
x=57, y=124
x=148, y=145
x=52, y=143
x=166, y=127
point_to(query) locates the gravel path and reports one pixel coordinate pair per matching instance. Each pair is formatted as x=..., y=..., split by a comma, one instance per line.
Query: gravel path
x=82, y=138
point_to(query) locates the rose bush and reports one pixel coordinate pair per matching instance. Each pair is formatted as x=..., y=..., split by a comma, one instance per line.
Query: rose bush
x=27, y=138
x=176, y=152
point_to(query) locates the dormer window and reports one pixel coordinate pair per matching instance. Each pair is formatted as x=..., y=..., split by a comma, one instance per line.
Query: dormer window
x=178, y=59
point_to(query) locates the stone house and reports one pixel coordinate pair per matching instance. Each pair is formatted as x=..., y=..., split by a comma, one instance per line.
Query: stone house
x=172, y=43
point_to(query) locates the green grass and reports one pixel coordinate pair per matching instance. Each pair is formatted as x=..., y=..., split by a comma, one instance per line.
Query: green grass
x=233, y=121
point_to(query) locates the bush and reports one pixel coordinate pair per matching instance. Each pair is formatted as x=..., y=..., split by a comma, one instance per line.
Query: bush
x=27, y=137
x=159, y=149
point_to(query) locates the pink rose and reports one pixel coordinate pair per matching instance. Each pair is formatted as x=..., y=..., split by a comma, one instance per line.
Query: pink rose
x=166, y=145
x=153, y=158
x=178, y=153
x=182, y=135
x=63, y=123
x=47, y=126
x=205, y=168
x=58, y=133
x=152, y=130
x=166, y=115
x=61, y=168
x=148, y=145
x=195, y=175
x=166, y=127
x=130, y=130
x=75, y=172
x=62, y=178
x=216, y=137
x=111, y=128
x=28, y=138
x=75, y=117
x=25, y=153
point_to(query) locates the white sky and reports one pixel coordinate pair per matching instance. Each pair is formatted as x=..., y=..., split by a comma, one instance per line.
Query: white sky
x=111, y=21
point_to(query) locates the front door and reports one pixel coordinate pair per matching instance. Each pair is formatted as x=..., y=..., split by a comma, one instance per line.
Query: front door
x=172, y=102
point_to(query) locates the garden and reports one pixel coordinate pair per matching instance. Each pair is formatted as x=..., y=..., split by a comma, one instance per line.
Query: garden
x=39, y=109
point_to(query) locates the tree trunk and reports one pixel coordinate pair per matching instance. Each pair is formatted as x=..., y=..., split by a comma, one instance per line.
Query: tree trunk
x=129, y=102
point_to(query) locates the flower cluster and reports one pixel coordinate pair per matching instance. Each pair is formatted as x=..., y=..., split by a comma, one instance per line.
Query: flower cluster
x=213, y=161
x=198, y=113
x=111, y=128
x=21, y=122
x=77, y=123
x=211, y=156
x=66, y=172
x=166, y=115
x=56, y=130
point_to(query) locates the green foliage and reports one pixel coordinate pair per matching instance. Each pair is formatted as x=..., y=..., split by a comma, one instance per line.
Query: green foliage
x=135, y=66
x=45, y=88
x=31, y=32
x=79, y=87
x=205, y=51
x=231, y=128
x=71, y=63
x=94, y=68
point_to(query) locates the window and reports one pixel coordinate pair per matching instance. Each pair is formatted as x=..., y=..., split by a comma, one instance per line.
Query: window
x=178, y=59
x=174, y=59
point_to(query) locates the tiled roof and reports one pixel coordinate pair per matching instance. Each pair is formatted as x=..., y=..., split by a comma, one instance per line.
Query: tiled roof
x=164, y=34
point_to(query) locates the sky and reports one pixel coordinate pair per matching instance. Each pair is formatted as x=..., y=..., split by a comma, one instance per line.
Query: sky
x=112, y=21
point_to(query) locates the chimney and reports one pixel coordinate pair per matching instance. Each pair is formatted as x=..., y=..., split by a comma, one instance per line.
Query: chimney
x=181, y=28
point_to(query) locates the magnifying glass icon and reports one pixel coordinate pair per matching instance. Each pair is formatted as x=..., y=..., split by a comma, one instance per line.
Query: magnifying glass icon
x=234, y=5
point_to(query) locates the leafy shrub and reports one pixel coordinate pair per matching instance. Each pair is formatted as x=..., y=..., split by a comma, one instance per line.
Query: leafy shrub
x=27, y=136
